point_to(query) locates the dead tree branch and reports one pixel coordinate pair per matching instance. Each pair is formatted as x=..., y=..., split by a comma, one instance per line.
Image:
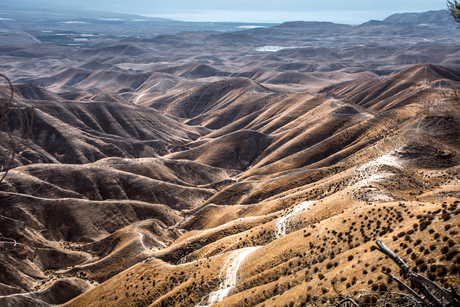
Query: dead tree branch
x=347, y=300
x=417, y=297
x=420, y=282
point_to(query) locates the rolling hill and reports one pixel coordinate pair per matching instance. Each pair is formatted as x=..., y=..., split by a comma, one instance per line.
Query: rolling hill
x=270, y=198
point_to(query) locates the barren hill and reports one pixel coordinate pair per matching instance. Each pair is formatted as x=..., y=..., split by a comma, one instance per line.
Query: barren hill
x=266, y=201
x=104, y=126
x=418, y=83
x=210, y=97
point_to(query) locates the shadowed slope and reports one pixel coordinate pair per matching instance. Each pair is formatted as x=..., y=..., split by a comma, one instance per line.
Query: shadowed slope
x=60, y=292
x=28, y=92
x=237, y=114
x=182, y=172
x=233, y=151
x=78, y=220
x=81, y=132
x=47, y=208
x=210, y=97
x=98, y=182
x=124, y=248
x=193, y=70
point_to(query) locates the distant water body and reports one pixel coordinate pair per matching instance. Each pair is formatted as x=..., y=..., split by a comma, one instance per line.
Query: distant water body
x=344, y=17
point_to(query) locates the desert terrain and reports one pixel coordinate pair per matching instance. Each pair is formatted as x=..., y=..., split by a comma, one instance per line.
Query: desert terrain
x=196, y=164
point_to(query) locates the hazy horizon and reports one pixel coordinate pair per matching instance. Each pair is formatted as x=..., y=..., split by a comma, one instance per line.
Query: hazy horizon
x=348, y=17
x=255, y=11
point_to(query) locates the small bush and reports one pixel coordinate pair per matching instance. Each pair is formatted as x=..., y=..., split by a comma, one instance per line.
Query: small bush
x=445, y=249
x=451, y=254
x=423, y=267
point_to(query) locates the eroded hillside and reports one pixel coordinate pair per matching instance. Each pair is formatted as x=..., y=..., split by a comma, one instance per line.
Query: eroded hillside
x=233, y=193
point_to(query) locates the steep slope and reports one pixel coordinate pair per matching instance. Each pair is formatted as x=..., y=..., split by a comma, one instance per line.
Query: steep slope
x=418, y=83
x=210, y=97
x=23, y=92
x=193, y=70
x=124, y=207
x=233, y=151
x=102, y=183
x=319, y=252
x=82, y=132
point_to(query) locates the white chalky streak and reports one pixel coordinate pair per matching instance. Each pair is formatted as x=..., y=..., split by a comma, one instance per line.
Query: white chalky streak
x=282, y=221
x=138, y=97
x=231, y=274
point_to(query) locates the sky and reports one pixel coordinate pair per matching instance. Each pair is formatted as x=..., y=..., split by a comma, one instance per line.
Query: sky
x=265, y=11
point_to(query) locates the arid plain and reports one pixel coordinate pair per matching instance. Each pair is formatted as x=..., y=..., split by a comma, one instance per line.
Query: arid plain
x=255, y=166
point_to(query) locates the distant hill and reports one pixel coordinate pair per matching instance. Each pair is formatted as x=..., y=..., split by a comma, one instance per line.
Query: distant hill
x=231, y=39
x=440, y=17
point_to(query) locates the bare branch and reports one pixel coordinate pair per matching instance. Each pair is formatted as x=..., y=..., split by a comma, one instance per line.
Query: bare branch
x=429, y=296
x=347, y=300
x=409, y=289
x=384, y=249
x=443, y=292
x=333, y=283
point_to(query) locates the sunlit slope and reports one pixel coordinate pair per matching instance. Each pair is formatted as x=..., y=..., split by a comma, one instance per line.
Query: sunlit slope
x=423, y=82
x=296, y=266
